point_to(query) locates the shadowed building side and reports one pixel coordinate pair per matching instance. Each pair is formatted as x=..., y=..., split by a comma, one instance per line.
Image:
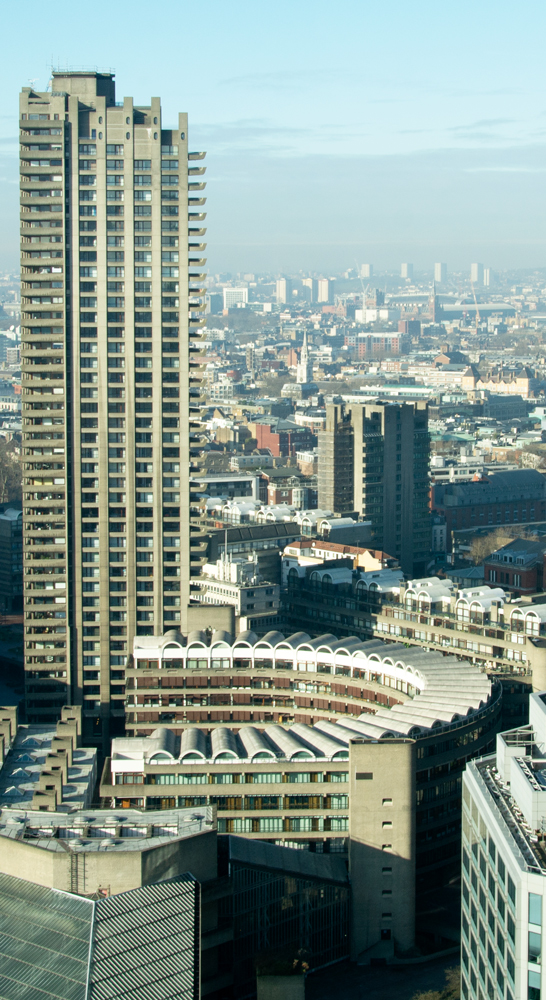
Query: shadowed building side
x=382, y=848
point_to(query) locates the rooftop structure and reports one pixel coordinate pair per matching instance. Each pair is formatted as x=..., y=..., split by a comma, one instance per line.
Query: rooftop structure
x=482, y=623
x=517, y=497
x=98, y=831
x=421, y=698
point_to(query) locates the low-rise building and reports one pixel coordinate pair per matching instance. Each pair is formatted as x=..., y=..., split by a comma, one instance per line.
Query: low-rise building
x=504, y=498
x=228, y=485
x=518, y=566
x=228, y=701
x=102, y=902
x=237, y=581
x=480, y=623
x=313, y=552
x=265, y=541
x=375, y=779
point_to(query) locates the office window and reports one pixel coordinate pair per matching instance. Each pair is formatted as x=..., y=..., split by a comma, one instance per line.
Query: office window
x=535, y=909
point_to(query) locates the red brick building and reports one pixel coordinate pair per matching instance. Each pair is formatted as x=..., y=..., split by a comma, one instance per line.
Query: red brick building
x=517, y=566
x=517, y=497
x=282, y=440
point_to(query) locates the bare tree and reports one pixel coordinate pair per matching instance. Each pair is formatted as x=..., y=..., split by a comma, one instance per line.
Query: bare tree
x=451, y=990
x=483, y=545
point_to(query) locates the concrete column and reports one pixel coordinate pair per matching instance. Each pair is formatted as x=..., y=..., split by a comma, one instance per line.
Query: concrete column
x=382, y=847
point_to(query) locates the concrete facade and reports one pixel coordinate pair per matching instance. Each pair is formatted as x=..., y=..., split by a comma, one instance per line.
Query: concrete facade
x=391, y=455
x=382, y=848
x=110, y=196
x=225, y=706
x=335, y=462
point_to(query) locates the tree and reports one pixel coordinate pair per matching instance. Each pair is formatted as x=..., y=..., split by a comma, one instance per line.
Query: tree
x=483, y=545
x=451, y=990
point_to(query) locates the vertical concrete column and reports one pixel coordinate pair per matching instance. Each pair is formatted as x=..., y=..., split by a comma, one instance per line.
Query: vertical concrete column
x=382, y=847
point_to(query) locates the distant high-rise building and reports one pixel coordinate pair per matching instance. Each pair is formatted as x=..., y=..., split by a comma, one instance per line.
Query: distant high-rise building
x=488, y=277
x=284, y=290
x=476, y=274
x=325, y=290
x=250, y=358
x=406, y=271
x=310, y=286
x=391, y=484
x=440, y=273
x=366, y=271
x=110, y=312
x=335, y=463
x=215, y=303
x=234, y=297
x=374, y=459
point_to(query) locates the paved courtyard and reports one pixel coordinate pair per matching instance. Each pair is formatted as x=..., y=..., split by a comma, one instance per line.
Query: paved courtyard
x=351, y=982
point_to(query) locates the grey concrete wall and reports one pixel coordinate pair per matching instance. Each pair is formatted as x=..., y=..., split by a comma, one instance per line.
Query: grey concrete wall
x=382, y=846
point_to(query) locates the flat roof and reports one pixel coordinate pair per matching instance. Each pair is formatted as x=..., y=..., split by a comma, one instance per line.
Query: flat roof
x=89, y=831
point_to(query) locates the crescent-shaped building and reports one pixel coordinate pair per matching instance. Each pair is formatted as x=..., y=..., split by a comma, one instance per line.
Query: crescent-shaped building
x=349, y=723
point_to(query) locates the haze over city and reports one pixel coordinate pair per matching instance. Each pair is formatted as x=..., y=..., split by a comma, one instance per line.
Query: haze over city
x=273, y=501
x=386, y=131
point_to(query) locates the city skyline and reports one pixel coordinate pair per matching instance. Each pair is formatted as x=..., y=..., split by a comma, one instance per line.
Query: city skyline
x=330, y=139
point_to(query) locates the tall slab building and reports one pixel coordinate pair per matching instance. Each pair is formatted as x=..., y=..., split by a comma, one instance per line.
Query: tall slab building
x=391, y=484
x=111, y=244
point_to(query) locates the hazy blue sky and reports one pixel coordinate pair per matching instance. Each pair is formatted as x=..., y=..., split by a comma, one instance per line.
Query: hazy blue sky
x=336, y=132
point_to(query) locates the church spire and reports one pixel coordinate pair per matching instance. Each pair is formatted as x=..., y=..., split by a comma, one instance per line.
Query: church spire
x=304, y=373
